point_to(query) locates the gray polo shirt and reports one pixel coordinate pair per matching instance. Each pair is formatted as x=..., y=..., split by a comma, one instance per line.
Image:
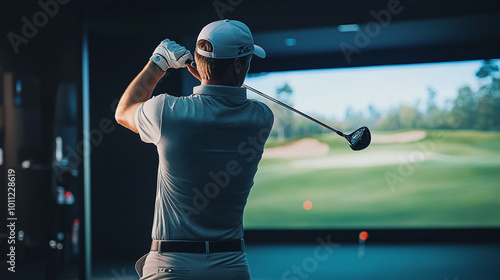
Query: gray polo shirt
x=209, y=145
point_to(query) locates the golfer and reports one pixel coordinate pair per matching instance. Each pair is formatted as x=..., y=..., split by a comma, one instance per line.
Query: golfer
x=209, y=145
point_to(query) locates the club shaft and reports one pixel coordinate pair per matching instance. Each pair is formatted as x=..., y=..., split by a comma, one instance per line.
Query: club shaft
x=293, y=109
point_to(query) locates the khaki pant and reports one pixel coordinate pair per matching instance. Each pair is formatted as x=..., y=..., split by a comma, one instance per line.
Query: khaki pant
x=220, y=266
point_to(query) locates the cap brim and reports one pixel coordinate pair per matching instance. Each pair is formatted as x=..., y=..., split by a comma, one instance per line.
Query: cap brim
x=258, y=51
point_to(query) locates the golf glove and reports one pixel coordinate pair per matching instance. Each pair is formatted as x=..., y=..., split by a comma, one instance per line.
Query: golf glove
x=169, y=54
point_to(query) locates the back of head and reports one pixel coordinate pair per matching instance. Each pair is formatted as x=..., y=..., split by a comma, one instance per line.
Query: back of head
x=219, y=44
x=210, y=68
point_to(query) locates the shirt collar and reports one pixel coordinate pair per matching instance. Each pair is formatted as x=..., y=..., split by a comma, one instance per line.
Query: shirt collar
x=222, y=91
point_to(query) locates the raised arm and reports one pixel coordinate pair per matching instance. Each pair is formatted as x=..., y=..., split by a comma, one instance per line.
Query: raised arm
x=167, y=55
x=139, y=90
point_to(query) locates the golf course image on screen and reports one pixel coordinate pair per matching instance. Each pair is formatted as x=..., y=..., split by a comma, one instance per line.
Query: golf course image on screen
x=434, y=159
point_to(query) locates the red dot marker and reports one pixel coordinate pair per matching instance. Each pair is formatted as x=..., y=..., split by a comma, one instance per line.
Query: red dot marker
x=363, y=235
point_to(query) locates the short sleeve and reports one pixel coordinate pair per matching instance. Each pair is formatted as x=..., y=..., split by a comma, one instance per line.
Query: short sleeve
x=267, y=112
x=148, y=119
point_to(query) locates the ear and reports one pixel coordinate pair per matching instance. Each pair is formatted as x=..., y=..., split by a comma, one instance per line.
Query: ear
x=237, y=66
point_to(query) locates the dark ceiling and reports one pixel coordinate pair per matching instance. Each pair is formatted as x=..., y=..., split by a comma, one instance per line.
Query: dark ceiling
x=420, y=29
x=187, y=17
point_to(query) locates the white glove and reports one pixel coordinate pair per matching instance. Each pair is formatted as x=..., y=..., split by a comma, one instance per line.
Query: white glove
x=169, y=54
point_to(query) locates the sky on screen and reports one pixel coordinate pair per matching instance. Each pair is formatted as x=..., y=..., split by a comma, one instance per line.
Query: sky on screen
x=329, y=93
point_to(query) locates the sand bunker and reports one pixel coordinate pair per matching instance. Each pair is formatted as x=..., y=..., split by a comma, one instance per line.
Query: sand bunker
x=403, y=137
x=302, y=148
x=309, y=147
x=370, y=158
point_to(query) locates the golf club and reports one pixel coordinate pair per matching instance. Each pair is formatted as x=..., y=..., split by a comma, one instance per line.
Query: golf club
x=358, y=140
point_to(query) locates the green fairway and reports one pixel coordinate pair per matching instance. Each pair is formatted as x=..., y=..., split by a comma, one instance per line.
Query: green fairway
x=447, y=179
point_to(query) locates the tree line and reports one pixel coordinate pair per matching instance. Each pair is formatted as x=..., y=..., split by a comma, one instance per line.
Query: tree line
x=476, y=110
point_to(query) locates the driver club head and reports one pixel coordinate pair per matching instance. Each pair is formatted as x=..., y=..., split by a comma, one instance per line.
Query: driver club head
x=359, y=139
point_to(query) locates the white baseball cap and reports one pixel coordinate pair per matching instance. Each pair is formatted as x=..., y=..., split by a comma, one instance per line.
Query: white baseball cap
x=230, y=39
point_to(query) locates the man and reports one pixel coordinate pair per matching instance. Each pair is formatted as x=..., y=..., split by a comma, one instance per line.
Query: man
x=209, y=145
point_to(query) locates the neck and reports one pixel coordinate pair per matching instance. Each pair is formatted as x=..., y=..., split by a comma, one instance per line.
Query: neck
x=219, y=83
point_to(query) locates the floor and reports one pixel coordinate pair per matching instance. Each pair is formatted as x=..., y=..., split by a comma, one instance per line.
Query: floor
x=348, y=261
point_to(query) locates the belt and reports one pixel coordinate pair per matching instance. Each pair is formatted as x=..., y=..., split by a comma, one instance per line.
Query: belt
x=198, y=247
